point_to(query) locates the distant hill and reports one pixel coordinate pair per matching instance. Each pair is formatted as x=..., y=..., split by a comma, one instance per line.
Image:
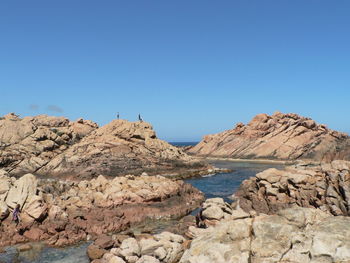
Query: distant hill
x=280, y=136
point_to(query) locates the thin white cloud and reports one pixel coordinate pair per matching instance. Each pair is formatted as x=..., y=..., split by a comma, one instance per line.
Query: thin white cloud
x=54, y=108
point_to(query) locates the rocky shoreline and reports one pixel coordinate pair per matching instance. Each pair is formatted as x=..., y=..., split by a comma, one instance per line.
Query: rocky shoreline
x=84, y=190
x=229, y=234
x=293, y=231
x=64, y=212
x=306, y=225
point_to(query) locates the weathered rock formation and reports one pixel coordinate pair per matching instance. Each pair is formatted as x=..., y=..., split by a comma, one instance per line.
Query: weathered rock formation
x=295, y=235
x=165, y=247
x=280, y=136
x=298, y=235
x=64, y=212
x=119, y=147
x=28, y=144
x=325, y=186
x=56, y=146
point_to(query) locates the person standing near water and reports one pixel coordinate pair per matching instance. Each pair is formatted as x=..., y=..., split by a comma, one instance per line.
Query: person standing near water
x=15, y=215
x=118, y=115
x=140, y=119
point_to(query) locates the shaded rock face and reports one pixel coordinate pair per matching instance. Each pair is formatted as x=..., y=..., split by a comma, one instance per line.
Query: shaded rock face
x=325, y=186
x=47, y=145
x=65, y=212
x=28, y=144
x=280, y=136
x=292, y=235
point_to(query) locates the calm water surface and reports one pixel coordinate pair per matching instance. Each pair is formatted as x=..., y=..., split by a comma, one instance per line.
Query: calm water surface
x=224, y=185
x=221, y=185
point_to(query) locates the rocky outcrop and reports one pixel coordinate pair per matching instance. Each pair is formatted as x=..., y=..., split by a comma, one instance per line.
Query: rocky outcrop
x=28, y=144
x=325, y=186
x=120, y=147
x=65, y=212
x=280, y=136
x=165, y=247
x=292, y=235
x=47, y=145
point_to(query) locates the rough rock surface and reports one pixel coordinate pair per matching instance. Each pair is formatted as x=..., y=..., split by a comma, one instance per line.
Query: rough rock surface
x=119, y=147
x=47, y=145
x=212, y=212
x=28, y=144
x=325, y=186
x=280, y=136
x=293, y=235
x=165, y=247
x=65, y=212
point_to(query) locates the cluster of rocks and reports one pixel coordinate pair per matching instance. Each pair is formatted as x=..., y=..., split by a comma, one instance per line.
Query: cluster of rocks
x=232, y=235
x=325, y=186
x=213, y=211
x=292, y=235
x=280, y=136
x=28, y=144
x=48, y=145
x=22, y=192
x=64, y=212
x=164, y=247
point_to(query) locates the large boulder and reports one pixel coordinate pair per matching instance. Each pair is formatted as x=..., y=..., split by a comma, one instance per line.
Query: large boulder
x=22, y=189
x=36, y=208
x=95, y=252
x=5, y=184
x=4, y=210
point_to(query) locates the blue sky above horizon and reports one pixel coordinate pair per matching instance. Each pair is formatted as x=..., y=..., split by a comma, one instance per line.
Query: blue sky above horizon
x=189, y=67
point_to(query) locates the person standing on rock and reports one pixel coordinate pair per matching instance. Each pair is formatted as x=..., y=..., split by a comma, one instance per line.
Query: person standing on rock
x=118, y=115
x=199, y=219
x=15, y=215
x=140, y=119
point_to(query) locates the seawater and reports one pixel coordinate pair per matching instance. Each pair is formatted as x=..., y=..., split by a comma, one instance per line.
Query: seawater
x=225, y=184
x=43, y=254
x=220, y=185
x=183, y=143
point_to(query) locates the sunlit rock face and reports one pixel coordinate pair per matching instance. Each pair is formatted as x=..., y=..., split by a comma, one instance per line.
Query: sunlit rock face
x=292, y=235
x=63, y=212
x=56, y=146
x=28, y=144
x=325, y=186
x=280, y=136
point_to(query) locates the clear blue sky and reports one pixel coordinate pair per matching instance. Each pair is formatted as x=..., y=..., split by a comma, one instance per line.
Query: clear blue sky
x=189, y=67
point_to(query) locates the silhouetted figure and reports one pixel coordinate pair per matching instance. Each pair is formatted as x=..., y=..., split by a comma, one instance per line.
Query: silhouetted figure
x=199, y=219
x=140, y=119
x=15, y=215
x=118, y=115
